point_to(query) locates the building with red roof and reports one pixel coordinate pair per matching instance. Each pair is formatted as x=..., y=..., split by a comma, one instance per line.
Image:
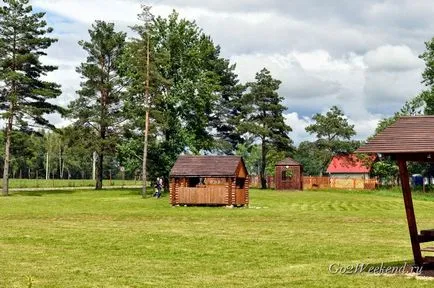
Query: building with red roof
x=349, y=166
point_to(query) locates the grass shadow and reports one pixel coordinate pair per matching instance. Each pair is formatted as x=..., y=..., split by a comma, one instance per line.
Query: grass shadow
x=135, y=191
x=138, y=192
x=40, y=193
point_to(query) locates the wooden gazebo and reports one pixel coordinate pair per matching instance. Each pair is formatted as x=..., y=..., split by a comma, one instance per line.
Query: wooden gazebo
x=209, y=180
x=288, y=175
x=408, y=139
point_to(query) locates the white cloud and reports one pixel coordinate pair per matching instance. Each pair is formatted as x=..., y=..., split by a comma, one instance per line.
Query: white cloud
x=391, y=87
x=87, y=11
x=298, y=125
x=392, y=58
x=365, y=127
x=359, y=55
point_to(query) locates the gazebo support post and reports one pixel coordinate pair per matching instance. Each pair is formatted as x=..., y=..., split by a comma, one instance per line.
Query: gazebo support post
x=409, y=210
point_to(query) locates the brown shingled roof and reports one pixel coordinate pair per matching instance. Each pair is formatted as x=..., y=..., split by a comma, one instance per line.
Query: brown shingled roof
x=220, y=166
x=288, y=161
x=410, y=134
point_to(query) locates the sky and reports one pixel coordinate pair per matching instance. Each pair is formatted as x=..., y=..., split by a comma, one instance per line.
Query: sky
x=360, y=55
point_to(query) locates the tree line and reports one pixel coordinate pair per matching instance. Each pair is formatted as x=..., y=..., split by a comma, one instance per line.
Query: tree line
x=195, y=100
x=197, y=103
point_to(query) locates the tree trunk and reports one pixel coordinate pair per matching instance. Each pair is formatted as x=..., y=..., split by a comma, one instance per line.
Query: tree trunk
x=263, y=165
x=94, y=158
x=147, y=104
x=47, y=167
x=145, y=155
x=5, y=188
x=60, y=163
x=99, y=171
x=7, y=160
x=100, y=161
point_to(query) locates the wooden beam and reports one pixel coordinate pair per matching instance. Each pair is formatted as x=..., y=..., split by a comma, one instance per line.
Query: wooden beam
x=414, y=157
x=409, y=210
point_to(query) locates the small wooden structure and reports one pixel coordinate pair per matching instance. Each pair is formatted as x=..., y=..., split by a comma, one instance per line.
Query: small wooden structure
x=408, y=139
x=209, y=180
x=288, y=175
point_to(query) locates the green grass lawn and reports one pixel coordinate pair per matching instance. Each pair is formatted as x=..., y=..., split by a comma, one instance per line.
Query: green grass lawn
x=114, y=238
x=58, y=183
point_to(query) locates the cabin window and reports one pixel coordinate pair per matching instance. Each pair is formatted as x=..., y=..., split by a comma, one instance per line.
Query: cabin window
x=193, y=182
x=240, y=183
x=286, y=175
x=215, y=181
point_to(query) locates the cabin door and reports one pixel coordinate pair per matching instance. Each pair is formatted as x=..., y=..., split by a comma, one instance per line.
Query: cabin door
x=290, y=179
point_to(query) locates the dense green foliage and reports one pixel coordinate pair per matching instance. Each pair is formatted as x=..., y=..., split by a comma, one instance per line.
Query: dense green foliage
x=253, y=158
x=183, y=92
x=333, y=133
x=64, y=184
x=312, y=157
x=24, y=92
x=333, y=126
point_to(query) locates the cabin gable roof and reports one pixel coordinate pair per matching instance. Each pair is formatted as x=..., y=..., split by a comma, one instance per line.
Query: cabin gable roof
x=288, y=162
x=206, y=166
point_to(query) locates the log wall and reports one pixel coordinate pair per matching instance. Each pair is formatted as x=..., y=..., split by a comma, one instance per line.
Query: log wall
x=215, y=194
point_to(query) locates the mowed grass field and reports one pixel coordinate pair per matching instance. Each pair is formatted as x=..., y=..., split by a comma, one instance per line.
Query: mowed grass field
x=61, y=183
x=114, y=238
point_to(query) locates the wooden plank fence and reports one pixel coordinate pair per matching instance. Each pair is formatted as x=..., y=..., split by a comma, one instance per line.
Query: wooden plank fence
x=255, y=182
x=316, y=182
x=312, y=182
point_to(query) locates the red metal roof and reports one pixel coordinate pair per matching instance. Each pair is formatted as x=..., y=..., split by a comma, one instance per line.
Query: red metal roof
x=347, y=164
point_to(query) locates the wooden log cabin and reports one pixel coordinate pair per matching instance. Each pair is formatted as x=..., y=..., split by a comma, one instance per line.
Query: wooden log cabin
x=209, y=180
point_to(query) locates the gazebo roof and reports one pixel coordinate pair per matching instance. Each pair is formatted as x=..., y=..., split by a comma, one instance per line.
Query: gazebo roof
x=408, y=139
x=288, y=162
x=202, y=166
x=410, y=134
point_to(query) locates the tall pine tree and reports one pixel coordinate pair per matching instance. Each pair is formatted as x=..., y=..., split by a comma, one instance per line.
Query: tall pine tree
x=99, y=104
x=262, y=118
x=227, y=112
x=188, y=76
x=23, y=93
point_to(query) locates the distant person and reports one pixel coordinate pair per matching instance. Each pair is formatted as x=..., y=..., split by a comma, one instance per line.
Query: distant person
x=158, y=187
x=157, y=191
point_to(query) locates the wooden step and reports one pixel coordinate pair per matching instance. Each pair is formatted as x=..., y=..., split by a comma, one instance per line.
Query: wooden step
x=421, y=238
x=428, y=260
x=427, y=249
x=429, y=232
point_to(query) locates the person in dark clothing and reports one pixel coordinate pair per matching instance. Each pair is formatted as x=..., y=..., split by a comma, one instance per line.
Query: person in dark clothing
x=158, y=187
